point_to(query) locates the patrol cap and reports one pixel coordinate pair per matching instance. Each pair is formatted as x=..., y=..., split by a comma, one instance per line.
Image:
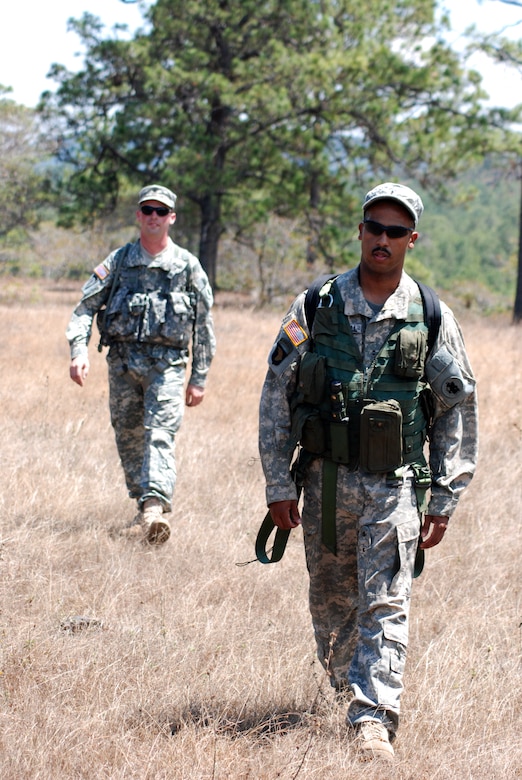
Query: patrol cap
x=398, y=192
x=159, y=193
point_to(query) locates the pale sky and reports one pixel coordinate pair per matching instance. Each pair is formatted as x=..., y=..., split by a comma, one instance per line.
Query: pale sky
x=33, y=35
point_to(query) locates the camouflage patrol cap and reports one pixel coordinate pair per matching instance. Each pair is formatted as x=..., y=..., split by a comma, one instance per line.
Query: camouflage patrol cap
x=398, y=192
x=159, y=193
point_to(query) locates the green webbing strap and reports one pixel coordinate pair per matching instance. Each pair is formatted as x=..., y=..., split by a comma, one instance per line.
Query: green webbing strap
x=328, y=533
x=263, y=535
x=419, y=561
x=268, y=525
x=422, y=483
x=422, y=476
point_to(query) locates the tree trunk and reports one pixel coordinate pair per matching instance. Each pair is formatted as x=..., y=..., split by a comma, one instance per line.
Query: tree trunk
x=313, y=221
x=209, y=236
x=517, y=311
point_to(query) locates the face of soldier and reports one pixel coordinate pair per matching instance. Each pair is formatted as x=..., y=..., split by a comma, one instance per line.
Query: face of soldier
x=386, y=234
x=155, y=219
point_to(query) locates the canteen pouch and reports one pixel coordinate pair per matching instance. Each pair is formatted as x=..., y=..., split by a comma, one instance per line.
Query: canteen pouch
x=381, y=436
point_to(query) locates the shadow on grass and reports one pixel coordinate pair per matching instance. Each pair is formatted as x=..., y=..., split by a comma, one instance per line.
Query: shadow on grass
x=257, y=725
x=267, y=724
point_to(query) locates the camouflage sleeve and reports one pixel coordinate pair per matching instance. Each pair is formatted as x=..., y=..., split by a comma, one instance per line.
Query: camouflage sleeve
x=203, y=336
x=454, y=435
x=94, y=294
x=274, y=408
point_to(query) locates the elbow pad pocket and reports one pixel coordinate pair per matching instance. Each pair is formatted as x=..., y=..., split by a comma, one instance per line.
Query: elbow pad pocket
x=446, y=378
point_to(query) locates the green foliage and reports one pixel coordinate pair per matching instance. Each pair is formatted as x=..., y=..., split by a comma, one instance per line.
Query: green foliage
x=473, y=241
x=256, y=107
x=467, y=248
x=23, y=174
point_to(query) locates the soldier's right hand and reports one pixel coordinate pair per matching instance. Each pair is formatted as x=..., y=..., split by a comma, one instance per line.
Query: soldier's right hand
x=285, y=514
x=79, y=369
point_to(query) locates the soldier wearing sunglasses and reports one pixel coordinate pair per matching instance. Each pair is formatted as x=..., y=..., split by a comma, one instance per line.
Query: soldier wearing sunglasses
x=152, y=300
x=382, y=438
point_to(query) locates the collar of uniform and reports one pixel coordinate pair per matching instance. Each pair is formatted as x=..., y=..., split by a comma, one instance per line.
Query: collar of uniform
x=168, y=260
x=355, y=304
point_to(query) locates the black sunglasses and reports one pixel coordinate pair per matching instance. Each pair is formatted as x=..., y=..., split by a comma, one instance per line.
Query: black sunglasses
x=392, y=231
x=161, y=211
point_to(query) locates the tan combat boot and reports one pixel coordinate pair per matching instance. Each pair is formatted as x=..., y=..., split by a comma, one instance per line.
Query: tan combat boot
x=156, y=528
x=149, y=525
x=373, y=740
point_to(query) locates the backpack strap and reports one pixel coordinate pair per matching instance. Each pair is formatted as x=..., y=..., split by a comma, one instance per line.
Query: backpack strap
x=312, y=297
x=432, y=313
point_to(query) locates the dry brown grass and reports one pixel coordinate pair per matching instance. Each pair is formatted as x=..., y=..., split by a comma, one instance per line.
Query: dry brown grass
x=203, y=669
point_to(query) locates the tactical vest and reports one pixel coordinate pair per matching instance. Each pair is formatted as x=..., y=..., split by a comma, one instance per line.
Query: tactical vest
x=373, y=420
x=151, y=305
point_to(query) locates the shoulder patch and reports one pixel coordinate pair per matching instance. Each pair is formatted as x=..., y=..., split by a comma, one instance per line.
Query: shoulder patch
x=101, y=271
x=295, y=332
x=279, y=353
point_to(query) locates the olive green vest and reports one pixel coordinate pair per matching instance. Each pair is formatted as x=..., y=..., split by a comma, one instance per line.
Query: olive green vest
x=376, y=420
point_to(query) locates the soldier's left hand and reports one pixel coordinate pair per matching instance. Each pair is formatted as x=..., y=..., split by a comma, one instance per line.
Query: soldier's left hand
x=433, y=529
x=194, y=395
x=78, y=369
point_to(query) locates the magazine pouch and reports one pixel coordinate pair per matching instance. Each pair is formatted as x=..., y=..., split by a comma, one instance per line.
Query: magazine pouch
x=410, y=353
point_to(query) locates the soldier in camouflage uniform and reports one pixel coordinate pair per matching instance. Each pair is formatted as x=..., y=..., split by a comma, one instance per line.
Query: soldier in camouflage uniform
x=155, y=302
x=362, y=461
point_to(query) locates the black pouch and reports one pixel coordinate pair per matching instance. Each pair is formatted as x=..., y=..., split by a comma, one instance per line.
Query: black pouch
x=313, y=436
x=312, y=378
x=381, y=436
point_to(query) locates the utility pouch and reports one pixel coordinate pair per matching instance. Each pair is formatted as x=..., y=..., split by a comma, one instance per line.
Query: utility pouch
x=381, y=436
x=339, y=446
x=312, y=378
x=313, y=436
x=410, y=353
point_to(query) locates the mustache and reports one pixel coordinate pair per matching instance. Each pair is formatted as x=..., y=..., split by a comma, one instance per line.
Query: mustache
x=381, y=249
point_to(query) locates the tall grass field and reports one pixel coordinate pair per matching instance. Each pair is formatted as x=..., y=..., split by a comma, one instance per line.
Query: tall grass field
x=192, y=661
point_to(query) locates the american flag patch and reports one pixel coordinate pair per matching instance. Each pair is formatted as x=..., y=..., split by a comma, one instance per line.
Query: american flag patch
x=101, y=272
x=295, y=332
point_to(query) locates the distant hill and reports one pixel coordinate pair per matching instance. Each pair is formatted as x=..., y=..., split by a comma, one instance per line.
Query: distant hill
x=470, y=247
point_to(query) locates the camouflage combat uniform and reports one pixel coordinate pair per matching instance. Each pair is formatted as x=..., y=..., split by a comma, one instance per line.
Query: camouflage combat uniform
x=361, y=595
x=161, y=308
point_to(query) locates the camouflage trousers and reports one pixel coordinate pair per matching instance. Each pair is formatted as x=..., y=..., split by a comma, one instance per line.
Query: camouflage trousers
x=360, y=598
x=147, y=403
